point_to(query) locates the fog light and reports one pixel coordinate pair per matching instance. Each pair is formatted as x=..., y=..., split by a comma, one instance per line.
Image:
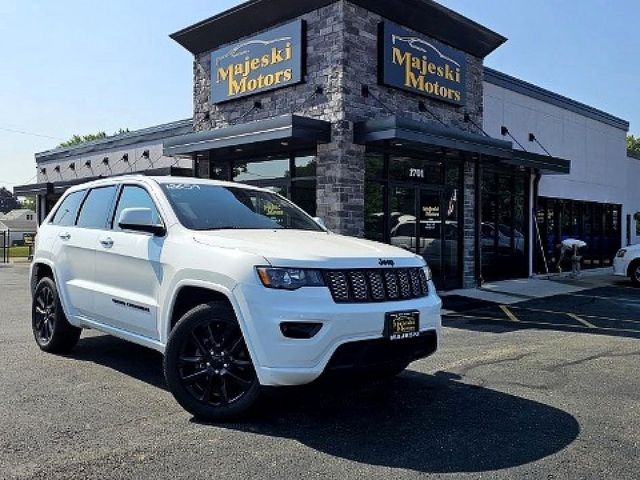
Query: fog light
x=300, y=330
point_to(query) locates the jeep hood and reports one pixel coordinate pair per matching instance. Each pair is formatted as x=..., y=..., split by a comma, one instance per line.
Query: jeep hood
x=294, y=248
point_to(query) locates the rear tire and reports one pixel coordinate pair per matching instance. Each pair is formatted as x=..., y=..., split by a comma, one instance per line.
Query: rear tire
x=635, y=273
x=207, y=365
x=51, y=329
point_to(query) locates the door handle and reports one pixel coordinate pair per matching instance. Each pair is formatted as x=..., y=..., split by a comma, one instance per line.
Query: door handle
x=106, y=242
x=65, y=236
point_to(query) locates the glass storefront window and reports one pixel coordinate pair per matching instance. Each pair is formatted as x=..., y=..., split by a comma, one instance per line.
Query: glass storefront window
x=303, y=194
x=414, y=204
x=306, y=166
x=504, y=232
x=598, y=225
x=416, y=170
x=293, y=176
x=261, y=170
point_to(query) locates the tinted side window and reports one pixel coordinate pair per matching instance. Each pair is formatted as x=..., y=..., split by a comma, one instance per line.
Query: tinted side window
x=68, y=211
x=135, y=197
x=96, y=208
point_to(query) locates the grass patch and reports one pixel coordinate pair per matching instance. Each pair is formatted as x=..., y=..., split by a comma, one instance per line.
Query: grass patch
x=18, y=252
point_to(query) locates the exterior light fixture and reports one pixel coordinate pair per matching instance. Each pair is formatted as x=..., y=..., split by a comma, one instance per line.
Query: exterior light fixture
x=284, y=144
x=238, y=150
x=43, y=171
x=125, y=158
x=532, y=137
x=504, y=131
x=105, y=161
x=146, y=154
x=257, y=105
x=87, y=164
x=57, y=169
x=72, y=166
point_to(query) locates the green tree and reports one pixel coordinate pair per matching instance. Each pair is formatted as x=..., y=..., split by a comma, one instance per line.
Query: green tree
x=633, y=145
x=29, y=203
x=8, y=201
x=80, y=139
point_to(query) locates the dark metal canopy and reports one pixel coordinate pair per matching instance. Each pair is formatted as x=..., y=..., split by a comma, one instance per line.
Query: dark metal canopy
x=290, y=130
x=424, y=16
x=408, y=133
x=543, y=163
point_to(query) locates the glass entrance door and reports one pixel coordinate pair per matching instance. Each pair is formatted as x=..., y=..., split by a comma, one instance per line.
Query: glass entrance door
x=425, y=221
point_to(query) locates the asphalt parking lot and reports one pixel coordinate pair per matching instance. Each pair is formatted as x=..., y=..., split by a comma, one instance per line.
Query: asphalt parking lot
x=545, y=389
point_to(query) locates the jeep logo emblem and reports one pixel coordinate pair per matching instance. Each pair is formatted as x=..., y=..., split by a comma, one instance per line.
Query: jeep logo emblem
x=387, y=263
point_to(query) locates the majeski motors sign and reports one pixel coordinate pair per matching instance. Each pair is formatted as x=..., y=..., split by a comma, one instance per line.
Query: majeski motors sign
x=259, y=64
x=420, y=65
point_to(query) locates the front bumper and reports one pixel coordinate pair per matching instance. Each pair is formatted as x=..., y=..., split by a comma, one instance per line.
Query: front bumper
x=282, y=361
x=620, y=267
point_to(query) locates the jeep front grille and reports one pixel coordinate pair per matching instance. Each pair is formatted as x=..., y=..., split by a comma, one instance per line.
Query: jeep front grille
x=379, y=285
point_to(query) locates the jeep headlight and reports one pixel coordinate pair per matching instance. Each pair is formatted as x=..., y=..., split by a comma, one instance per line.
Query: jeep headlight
x=427, y=273
x=290, y=278
x=621, y=253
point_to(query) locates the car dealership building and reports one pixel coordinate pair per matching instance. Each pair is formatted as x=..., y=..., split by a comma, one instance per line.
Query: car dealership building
x=379, y=117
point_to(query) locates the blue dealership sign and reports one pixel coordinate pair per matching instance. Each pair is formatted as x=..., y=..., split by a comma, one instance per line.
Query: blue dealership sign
x=419, y=65
x=269, y=61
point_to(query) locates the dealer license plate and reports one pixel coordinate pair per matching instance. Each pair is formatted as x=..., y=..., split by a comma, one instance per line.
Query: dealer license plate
x=402, y=325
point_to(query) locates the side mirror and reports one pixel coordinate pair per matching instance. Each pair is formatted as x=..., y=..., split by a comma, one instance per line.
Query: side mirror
x=320, y=222
x=140, y=220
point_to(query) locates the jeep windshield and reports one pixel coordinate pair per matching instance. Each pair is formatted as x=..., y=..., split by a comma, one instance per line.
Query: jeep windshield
x=215, y=207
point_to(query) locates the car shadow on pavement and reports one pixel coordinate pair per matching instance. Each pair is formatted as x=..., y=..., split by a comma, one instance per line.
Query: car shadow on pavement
x=427, y=423
x=128, y=358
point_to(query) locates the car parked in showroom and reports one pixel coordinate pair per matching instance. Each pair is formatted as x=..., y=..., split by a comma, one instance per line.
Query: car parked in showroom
x=627, y=263
x=235, y=285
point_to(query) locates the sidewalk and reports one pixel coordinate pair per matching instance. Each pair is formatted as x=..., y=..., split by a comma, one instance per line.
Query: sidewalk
x=510, y=292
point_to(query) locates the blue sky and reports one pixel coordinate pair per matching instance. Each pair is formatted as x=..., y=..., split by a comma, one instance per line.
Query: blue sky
x=73, y=66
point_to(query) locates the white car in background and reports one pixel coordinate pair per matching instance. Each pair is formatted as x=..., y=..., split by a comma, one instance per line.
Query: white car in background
x=235, y=285
x=627, y=263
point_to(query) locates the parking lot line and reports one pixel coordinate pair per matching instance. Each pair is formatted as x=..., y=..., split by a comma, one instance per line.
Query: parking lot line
x=509, y=313
x=547, y=324
x=581, y=320
x=611, y=298
x=583, y=315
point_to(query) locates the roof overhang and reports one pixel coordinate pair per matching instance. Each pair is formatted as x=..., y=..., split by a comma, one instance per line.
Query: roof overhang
x=291, y=131
x=62, y=186
x=415, y=135
x=424, y=16
x=422, y=134
x=542, y=163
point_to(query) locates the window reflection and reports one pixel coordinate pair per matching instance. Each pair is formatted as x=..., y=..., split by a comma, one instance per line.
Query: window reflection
x=261, y=170
x=292, y=176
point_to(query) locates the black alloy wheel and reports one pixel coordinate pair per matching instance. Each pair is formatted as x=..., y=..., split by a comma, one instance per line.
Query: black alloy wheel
x=635, y=274
x=208, y=366
x=44, y=315
x=51, y=329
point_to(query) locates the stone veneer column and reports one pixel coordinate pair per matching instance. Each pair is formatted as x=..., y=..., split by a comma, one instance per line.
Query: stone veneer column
x=469, y=276
x=341, y=182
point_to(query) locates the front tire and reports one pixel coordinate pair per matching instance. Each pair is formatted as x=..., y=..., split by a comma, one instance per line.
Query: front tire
x=207, y=365
x=51, y=329
x=635, y=274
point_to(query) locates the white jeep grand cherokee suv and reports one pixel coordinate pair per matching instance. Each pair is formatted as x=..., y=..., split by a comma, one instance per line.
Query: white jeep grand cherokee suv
x=235, y=285
x=627, y=263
